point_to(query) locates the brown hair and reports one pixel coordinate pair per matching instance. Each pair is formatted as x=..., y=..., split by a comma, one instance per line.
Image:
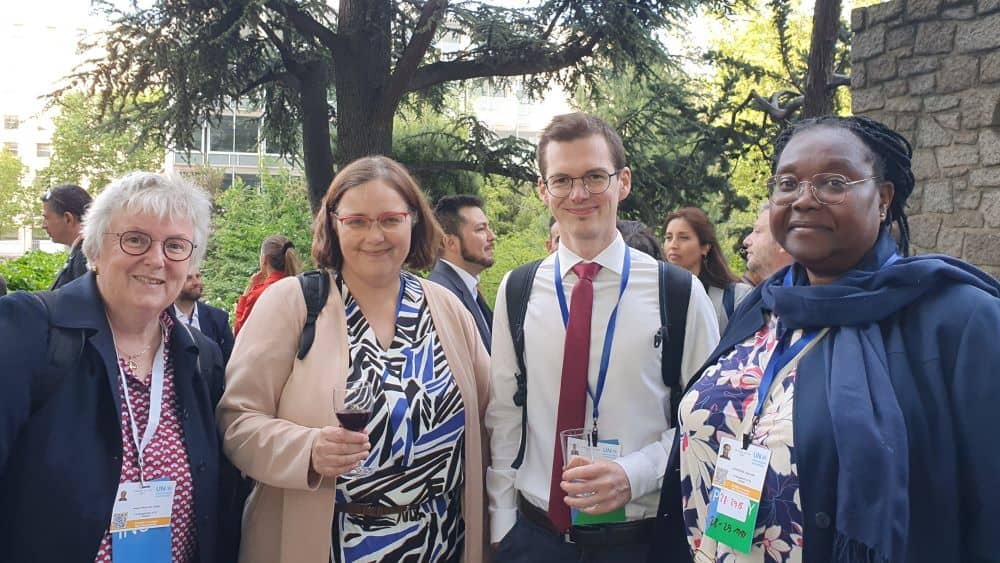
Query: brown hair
x=280, y=254
x=578, y=125
x=715, y=271
x=426, y=239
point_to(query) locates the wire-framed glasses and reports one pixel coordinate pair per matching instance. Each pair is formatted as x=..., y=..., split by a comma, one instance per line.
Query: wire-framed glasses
x=137, y=243
x=595, y=182
x=828, y=189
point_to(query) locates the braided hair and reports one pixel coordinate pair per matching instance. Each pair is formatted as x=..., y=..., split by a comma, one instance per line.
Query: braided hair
x=891, y=155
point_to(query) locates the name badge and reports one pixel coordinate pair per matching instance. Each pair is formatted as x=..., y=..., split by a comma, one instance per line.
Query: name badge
x=140, y=522
x=735, y=497
x=581, y=454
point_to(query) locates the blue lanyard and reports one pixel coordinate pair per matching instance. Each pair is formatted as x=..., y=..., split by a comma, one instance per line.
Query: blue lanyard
x=609, y=333
x=784, y=354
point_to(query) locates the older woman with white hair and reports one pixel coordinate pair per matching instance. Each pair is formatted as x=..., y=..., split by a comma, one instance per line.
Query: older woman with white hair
x=108, y=449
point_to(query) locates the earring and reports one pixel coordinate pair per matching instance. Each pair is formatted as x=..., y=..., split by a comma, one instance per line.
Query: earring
x=882, y=213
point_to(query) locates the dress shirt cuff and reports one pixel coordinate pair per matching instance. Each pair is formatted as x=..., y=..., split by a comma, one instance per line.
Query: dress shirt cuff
x=501, y=522
x=502, y=501
x=644, y=469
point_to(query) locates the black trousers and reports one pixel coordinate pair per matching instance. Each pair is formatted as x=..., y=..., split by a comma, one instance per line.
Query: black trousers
x=529, y=543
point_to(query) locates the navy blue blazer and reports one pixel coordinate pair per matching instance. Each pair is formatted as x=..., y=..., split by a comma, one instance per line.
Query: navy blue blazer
x=445, y=275
x=943, y=354
x=59, y=468
x=214, y=323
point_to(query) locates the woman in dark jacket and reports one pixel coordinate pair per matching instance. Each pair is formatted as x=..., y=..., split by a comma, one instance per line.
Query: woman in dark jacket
x=866, y=379
x=104, y=396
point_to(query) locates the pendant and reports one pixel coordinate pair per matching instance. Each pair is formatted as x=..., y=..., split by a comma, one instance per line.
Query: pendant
x=131, y=365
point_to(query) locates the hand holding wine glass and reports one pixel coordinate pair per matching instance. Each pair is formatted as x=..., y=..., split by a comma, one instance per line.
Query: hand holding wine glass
x=339, y=451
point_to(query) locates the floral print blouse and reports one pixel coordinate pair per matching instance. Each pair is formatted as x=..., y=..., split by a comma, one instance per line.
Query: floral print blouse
x=722, y=404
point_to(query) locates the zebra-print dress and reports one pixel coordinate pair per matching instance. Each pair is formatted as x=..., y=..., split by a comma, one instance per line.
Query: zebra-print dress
x=417, y=434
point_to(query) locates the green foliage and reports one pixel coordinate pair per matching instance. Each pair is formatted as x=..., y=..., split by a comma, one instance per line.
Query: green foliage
x=34, y=271
x=15, y=200
x=678, y=152
x=245, y=216
x=521, y=223
x=88, y=149
x=368, y=59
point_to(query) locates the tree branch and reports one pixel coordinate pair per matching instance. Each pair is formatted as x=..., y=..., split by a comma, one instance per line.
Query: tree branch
x=430, y=16
x=273, y=75
x=307, y=25
x=524, y=63
x=468, y=166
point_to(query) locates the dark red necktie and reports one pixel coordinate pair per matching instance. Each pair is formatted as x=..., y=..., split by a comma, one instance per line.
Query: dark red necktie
x=573, y=389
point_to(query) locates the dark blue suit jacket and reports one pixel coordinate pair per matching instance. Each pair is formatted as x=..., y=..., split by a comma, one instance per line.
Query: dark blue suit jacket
x=59, y=467
x=214, y=324
x=942, y=354
x=447, y=276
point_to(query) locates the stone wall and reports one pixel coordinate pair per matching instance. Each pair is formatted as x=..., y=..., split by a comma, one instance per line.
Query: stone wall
x=931, y=70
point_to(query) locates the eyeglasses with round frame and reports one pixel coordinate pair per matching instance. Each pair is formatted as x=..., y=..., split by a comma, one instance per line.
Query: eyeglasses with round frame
x=826, y=188
x=596, y=182
x=390, y=221
x=137, y=243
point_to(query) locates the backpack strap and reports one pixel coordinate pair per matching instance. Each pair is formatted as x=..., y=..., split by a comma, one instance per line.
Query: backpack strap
x=729, y=300
x=315, y=289
x=61, y=357
x=519, y=284
x=675, y=295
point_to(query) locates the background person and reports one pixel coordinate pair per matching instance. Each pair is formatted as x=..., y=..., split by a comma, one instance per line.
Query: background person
x=552, y=243
x=763, y=254
x=583, y=176
x=690, y=242
x=3, y=286
x=640, y=237
x=66, y=450
x=414, y=342
x=468, y=250
x=884, y=361
x=63, y=208
x=278, y=259
x=213, y=322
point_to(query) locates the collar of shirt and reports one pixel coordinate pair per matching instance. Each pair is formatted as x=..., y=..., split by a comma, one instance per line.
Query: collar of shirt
x=611, y=258
x=471, y=281
x=193, y=321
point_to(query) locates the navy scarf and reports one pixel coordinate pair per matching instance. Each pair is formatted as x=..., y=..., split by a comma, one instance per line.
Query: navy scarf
x=868, y=427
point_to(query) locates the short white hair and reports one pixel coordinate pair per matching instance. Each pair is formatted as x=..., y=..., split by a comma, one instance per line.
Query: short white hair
x=162, y=195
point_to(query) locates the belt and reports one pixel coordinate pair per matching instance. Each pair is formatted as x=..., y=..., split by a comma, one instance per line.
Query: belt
x=602, y=535
x=373, y=510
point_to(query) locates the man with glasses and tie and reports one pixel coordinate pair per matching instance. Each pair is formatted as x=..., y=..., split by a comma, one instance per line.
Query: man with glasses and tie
x=468, y=250
x=62, y=218
x=213, y=322
x=592, y=362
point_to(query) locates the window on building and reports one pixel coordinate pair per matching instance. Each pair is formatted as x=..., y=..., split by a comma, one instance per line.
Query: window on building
x=43, y=150
x=10, y=148
x=246, y=134
x=11, y=122
x=220, y=134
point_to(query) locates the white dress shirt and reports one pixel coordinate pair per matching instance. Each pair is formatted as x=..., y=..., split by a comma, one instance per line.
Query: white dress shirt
x=635, y=407
x=193, y=321
x=471, y=281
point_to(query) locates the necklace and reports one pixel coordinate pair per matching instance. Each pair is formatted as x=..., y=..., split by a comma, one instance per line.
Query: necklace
x=130, y=362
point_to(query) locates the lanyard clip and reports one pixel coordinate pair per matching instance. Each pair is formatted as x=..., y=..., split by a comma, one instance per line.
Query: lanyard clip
x=593, y=434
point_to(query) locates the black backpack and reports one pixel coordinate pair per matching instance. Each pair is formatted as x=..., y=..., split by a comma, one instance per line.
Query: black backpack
x=675, y=293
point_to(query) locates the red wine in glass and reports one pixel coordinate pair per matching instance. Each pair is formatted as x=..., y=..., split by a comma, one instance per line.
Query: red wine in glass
x=354, y=419
x=353, y=403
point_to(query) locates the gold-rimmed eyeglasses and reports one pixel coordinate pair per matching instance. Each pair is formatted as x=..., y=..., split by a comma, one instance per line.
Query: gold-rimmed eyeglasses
x=827, y=189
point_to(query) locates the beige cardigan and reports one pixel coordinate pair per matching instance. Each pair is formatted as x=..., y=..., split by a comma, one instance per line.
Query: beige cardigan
x=275, y=404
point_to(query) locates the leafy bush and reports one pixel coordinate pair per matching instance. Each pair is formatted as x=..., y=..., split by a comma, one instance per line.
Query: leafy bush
x=245, y=216
x=34, y=271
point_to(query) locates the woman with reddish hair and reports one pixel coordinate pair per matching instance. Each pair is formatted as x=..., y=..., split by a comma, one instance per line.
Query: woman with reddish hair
x=278, y=259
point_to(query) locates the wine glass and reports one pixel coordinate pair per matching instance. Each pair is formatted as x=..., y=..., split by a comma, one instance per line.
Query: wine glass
x=352, y=403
